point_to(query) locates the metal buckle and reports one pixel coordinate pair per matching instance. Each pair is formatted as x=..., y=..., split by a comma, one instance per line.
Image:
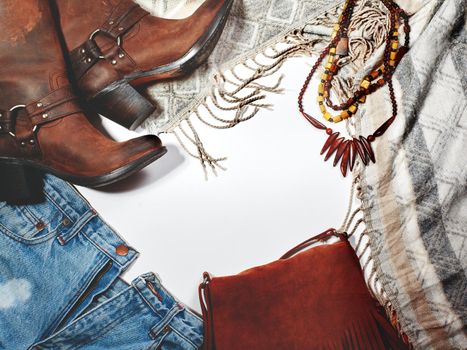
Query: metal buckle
x=13, y=109
x=93, y=35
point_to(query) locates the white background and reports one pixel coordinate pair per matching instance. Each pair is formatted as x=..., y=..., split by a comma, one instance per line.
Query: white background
x=276, y=193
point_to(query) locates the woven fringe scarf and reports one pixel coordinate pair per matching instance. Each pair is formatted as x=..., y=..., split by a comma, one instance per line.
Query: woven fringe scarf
x=238, y=90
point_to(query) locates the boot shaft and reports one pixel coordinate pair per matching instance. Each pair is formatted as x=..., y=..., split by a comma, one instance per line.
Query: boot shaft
x=31, y=57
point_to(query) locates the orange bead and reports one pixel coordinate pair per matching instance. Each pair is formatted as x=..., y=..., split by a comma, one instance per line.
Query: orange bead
x=337, y=119
x=345, y=115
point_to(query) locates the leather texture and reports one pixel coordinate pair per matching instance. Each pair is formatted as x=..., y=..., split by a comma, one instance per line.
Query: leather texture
x=314, y=299
x=49, y=129
x=146, y=42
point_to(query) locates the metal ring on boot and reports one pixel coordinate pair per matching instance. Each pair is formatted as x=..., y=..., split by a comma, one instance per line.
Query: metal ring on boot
x=12, y=109
x=97, y=31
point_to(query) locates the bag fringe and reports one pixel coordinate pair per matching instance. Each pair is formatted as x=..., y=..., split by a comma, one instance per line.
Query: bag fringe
x=370, y=331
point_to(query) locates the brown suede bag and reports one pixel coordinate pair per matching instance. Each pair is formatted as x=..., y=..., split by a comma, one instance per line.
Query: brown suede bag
x=311, y=299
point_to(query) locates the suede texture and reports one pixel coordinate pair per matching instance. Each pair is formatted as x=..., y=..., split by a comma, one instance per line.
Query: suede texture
x=317, y=299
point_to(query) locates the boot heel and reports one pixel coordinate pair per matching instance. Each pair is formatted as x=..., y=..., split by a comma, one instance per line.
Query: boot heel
x=20, y=185
x=123, y=104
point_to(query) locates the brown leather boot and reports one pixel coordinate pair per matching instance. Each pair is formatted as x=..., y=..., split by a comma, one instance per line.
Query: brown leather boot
x=116, y=46
x=42, y=124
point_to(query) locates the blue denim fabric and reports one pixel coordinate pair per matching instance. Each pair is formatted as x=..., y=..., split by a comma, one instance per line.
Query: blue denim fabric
x=141, y=316
x=58, y=259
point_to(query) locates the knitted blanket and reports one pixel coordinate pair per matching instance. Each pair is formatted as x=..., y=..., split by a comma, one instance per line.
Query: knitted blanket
x=413, y=201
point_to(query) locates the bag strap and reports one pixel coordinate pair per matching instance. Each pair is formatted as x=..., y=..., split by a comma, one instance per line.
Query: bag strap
x=205, y=295
x=206, y=309
x=322, y=237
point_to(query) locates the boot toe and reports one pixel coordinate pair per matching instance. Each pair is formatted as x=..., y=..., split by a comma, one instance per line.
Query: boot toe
x=144, y=145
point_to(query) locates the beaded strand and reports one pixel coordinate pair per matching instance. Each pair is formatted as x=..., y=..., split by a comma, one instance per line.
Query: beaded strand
x=381, y=75
x=347, y=150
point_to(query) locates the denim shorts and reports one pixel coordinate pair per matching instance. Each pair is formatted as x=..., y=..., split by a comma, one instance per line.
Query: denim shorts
x=60, y=288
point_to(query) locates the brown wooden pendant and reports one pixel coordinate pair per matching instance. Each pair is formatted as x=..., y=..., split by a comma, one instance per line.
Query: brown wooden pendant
x=347, y=151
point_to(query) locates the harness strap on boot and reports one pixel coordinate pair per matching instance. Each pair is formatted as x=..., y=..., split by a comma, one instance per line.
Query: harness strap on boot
x=58, y=104
x=122, y=19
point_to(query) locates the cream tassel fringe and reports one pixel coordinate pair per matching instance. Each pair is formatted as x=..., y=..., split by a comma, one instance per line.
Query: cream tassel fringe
x=241, y=91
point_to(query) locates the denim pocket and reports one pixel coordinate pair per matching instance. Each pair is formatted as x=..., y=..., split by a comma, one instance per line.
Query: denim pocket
x=31, y=223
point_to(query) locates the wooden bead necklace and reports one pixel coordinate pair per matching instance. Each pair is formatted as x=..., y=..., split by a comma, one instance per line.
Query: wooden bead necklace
x=347, y=150
x=372, y=82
